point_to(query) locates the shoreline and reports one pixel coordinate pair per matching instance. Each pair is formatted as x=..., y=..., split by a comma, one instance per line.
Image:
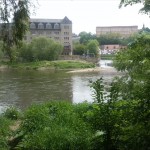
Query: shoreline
x=78, y=70
x=96, y=69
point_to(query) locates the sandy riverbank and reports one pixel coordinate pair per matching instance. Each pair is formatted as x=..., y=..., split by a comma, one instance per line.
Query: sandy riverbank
x=97, y=69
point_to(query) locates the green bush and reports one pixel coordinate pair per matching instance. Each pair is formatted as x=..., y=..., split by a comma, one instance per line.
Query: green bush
x=54, y=125
x=4, y=132
x=12, y=113
x=41, y=48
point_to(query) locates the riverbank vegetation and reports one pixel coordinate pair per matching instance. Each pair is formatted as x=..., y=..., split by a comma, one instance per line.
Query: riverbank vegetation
x=59, y=64
x=40, y=48
x=107, y=56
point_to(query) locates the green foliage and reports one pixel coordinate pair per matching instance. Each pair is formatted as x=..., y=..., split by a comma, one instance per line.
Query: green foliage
x=146, y=4
x=4, y=132
x=107, y=56
x=135, y=60
x=79, y=49
x=21, y=18
x=113, y=38
x=59, y=64
x=54, y=125
x=41, y=48
x=118, y=119
x=12, y=113
x=93, y=47
x=135, y=84
x=86, y=37
x=13, y=33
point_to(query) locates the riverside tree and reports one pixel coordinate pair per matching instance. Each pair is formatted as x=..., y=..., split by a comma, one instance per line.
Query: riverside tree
x=135, y=85
x=14, y=17
x=93, y=47
x=41, y=48
x=86, y=37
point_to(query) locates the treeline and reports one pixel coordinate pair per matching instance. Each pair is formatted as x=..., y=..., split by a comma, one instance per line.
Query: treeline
x=89, y=43
x=85, y=39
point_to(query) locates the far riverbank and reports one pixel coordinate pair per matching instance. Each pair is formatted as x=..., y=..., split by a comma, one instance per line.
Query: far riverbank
x=44, y=65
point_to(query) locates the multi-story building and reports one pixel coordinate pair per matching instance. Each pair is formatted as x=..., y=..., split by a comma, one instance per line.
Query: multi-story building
x=59, y=30
x=122, y=30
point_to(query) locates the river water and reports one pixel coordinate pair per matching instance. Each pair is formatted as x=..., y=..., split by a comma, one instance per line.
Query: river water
x=21, y=88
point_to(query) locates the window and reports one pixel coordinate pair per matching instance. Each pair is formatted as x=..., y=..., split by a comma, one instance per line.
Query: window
x=56, y=26
x=48, y=26
x=32, y=25
x=66, y=38
x=40, y=26
x=66, y=33
x=56, y=32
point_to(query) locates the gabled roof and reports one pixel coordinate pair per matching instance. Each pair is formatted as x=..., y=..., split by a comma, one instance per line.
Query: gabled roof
x=66, y=21
x=63, y=21
x=46, y=20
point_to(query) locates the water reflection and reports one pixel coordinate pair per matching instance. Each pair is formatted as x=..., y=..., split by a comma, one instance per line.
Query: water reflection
x=22, y=88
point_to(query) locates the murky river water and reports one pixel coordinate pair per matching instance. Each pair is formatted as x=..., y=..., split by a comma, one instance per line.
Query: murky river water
x=21, y=88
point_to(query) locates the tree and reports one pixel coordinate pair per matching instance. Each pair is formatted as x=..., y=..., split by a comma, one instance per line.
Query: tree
x=85, y=37
x=13, y=32
x=79, y=49
x=135, y=85
x=110, y=38
x=41, y=48
x=146, y=5
x=93, y=47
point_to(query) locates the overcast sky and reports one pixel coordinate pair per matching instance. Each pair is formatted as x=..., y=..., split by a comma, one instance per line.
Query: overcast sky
x=86, y=15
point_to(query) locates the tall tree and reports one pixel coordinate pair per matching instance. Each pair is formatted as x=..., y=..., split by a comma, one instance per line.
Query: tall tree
x=146, y=5
x=110, y=38
x=135, y=85
x=85, y=37
x=93, y=47
x=14, y=18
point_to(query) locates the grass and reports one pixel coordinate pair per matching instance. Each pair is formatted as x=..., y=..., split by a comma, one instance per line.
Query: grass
x=59, y=64
x=107, y=56
x=7, y=120
x=52, y=125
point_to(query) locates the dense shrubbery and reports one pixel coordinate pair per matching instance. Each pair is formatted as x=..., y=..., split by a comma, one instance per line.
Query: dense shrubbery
x=54, y=125
x=4, y=132
x=41, y=48
x=89, y=48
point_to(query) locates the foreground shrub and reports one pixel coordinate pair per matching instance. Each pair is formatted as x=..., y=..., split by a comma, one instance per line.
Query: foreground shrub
x=12, y=113
x=4, y=132
x=54, y=125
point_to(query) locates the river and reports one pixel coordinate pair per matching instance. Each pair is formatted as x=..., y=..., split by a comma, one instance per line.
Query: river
x=21, y=88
